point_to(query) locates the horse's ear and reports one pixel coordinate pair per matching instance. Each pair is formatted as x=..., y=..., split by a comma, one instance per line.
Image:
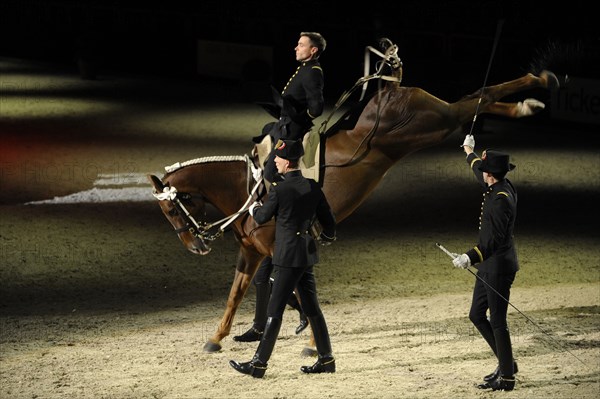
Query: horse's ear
x=156, y=183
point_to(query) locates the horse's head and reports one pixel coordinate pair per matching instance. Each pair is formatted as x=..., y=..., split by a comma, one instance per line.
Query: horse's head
x=179, y=209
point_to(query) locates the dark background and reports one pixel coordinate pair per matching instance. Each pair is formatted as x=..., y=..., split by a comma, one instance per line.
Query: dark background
x=440, y=43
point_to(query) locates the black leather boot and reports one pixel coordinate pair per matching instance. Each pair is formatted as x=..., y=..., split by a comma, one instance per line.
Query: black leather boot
x=295, y=304
x=505, y=355
x=303, y=323
x=263, y=291
x=326, y=361
x=254, y=367
x=503, y=383
x=502, y=379
x=258, y=365
x=496, y=373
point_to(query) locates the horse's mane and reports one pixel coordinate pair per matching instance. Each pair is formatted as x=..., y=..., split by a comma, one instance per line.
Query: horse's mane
x=216, y=158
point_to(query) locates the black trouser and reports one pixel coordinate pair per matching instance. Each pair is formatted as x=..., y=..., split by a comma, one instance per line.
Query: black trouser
x=303, y=278
x=485, y=298
x=262, y=281
x=288, y=278
x=263, y=274
x=494, y=330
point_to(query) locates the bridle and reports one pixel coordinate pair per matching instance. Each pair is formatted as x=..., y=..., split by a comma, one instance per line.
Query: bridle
x=200, y=230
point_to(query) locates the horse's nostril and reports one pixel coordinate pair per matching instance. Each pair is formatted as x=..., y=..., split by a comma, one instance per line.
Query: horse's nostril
x=200, y=251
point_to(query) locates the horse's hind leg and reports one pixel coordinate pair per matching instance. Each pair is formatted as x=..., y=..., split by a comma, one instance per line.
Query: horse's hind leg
x=311, y=349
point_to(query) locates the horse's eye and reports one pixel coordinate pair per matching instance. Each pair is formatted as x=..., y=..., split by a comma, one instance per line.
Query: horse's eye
x=173, y=212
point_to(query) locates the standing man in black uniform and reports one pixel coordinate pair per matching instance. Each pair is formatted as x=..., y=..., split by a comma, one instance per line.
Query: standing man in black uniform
x=495, y=258
x=300, y=101
x=294, y=202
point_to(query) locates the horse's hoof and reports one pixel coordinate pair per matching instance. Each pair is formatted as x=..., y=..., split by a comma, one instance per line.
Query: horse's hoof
x=552, y=82
x=308, y=352
x=529, y=107
x=212, y=347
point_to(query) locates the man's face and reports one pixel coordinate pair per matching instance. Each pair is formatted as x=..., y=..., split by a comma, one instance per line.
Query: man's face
x=487, y=178
x=304, y=50
x=281, y=165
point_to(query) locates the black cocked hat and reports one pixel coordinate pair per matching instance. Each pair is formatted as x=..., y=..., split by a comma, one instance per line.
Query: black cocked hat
x=493, y=161
x=289, y=149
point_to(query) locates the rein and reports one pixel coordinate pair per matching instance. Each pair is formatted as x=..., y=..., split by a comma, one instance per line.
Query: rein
x=390, y=58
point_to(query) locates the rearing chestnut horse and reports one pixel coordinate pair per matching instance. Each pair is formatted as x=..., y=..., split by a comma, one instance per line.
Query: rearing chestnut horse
x=395, y=122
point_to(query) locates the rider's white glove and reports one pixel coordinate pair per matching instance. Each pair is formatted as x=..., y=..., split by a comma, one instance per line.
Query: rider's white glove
x=257, y=174
x=253, y=206
x=469, y=141
x=462, y=261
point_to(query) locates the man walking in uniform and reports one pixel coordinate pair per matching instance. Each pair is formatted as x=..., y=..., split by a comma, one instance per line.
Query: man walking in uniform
x=294, y=202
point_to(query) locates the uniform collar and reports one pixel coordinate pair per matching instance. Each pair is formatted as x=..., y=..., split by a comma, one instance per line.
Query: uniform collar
x=309, y=62
x=293, y=173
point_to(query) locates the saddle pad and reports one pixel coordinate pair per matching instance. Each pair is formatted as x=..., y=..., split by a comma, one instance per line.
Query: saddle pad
x=309, y=163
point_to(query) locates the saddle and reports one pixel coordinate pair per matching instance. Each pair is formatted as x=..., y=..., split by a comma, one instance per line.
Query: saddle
x=310, y=161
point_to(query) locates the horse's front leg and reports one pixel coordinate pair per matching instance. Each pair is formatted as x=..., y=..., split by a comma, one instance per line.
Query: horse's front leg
x=528, y=107
x=244, y=272
x=490, y=103
x=310, y=350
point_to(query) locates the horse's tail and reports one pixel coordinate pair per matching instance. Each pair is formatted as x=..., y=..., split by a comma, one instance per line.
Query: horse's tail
x=574, y=57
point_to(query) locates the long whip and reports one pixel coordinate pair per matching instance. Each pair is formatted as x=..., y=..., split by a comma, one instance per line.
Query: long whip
x=450, y=254
x=496, y=39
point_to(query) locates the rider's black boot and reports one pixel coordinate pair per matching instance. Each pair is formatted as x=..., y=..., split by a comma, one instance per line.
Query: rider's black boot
x=294, y=303
x=258, y=365
x=505, y=355
x=263, y=291
x=326, y=361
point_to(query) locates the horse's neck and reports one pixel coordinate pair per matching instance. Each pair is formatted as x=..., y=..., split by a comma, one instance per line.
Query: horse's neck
x=223, y=184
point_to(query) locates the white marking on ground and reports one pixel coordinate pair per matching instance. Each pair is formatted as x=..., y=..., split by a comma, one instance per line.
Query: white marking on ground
x=112, y=179
x=131, y=187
